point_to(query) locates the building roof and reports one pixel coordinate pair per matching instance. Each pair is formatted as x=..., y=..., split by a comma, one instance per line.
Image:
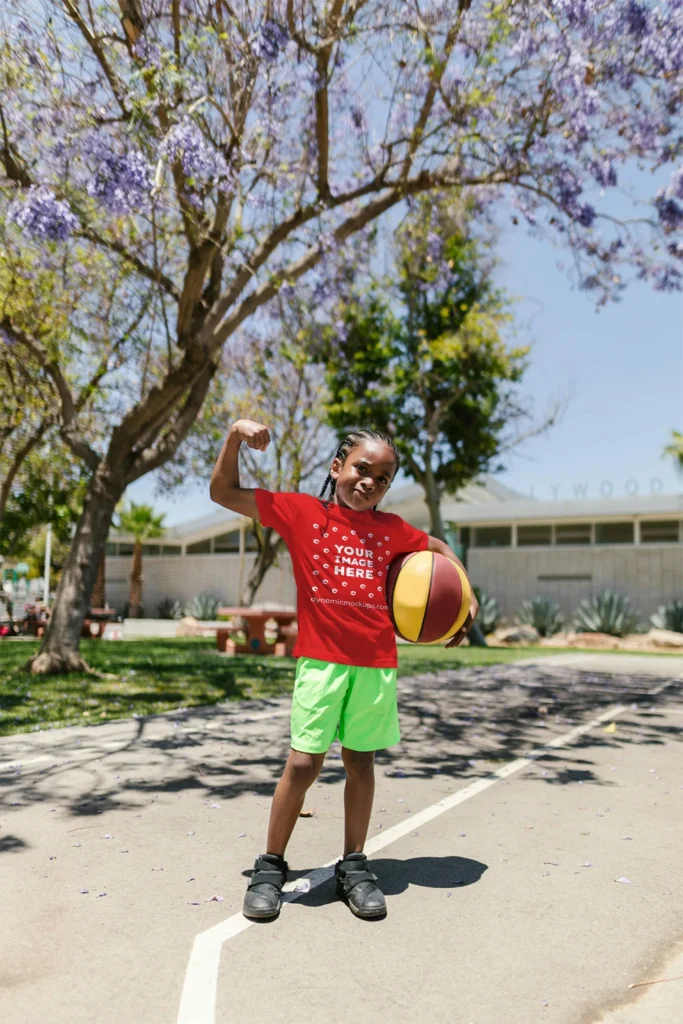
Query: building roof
x=660, y=505
x=407, y=501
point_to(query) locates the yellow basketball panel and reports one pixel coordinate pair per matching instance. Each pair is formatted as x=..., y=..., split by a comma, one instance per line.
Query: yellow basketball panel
x=411, y=591
x=464, y=608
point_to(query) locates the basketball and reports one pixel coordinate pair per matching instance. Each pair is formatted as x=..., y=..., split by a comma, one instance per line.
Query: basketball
x=429, y=597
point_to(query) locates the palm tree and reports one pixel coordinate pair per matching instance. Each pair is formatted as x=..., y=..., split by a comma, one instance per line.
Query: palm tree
x=675, y=449
x=139, y=522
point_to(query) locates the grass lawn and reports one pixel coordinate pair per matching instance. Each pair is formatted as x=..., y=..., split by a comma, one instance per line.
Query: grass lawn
x=160, y=675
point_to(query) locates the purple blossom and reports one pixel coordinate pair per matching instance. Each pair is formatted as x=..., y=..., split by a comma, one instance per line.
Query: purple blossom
x=675, y=189
x=670, y=213
x=201, y=162
x=42, y=216
x=636, y=18
x=604, y=172
x=270, y=40
x=585, y=215
x=123, y=182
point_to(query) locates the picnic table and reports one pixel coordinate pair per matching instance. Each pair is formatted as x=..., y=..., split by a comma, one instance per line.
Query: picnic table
x=254, y=620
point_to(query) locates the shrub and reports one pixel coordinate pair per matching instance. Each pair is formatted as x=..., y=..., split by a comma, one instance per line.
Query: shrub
x=203, y=607
x=489, y=612
x=669, y=616
x=606, y=613
x=170, y=609
x=543, y=614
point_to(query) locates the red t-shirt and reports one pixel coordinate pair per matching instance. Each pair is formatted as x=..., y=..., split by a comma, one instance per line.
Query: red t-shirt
x=340, y=559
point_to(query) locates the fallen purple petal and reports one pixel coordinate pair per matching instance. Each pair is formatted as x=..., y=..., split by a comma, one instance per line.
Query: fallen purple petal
x=106, y=836
x=241, y=835
x=626, y=881
x=194, y=903
x=190, y=833
x=214, y=899
x=84, y=890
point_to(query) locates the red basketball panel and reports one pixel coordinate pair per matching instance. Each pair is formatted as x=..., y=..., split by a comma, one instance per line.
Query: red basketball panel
x=392, y=576
x=445, y=600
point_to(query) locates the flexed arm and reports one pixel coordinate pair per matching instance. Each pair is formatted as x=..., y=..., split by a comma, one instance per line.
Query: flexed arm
x=225, y=488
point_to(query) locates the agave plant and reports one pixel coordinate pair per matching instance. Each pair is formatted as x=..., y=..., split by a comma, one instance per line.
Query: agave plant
x=489, y=612
x=543, y=614
x=669, y=616
x=203, y=607
x=170, y=609
x=607, y=612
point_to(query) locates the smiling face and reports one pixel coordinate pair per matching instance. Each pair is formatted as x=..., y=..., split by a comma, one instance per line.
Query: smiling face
x=364, y=478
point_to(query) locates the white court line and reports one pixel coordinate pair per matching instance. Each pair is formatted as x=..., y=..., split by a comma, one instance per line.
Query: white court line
x=198, y=997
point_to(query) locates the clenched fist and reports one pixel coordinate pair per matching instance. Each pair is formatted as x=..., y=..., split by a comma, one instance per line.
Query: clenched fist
x=255, y=435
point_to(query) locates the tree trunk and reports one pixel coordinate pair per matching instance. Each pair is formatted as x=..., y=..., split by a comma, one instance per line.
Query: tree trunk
x=270, y=546
x=59, y=649
x=433, y=499
x=99, y=594
x=136, y=578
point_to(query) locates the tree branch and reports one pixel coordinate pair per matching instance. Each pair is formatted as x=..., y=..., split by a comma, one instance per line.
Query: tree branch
x=78, y=445
x=94, y=44
x=152, y=458
x=19, y=458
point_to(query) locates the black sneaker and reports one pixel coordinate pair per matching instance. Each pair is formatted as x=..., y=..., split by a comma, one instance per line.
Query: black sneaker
x=262, y=898
x=357, y=886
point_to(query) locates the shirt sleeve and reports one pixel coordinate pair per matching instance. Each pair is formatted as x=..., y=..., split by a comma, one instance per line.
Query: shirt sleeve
x=409, y=538
x=278, y=510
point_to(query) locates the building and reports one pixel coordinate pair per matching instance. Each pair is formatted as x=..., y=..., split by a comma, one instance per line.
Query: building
x=514, y=548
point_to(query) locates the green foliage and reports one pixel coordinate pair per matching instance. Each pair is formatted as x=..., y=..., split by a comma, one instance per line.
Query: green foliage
x=489, y=612
x=140, y=522
x=607, y=612
x=52, y=490
x=543, y=614
x=675, y=449
x=203, y=607
x=170, y=609
x=669, y=616
x=424, y=357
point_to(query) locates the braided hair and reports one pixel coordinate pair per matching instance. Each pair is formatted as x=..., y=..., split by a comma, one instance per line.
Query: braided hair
x=352, y=441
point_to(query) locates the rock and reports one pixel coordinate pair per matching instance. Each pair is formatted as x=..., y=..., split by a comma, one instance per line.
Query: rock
x=522, y=634
x=557, y=640
x=189, y=626
x=665, y=638
x=602, y=641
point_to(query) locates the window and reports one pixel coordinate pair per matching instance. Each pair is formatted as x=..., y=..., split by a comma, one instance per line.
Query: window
x=170, y=549
x=493, y=537
x=614, y=533
x=227, y=542
x=573, y=533
x=150, y=549
x=465, y=536
x=202, y=547
x=531, y=536
x=663, y=532
x=112, y=549
x=125, y=549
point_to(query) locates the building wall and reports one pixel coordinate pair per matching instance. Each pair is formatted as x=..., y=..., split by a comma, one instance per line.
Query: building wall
x=649, y=574
x=182, y=577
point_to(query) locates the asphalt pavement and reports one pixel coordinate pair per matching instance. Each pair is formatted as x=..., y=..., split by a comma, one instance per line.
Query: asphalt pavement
x=527, y=832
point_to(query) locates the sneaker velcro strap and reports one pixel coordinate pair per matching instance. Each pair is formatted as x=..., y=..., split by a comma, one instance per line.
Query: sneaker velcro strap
x=273, y=876
x=353, y=876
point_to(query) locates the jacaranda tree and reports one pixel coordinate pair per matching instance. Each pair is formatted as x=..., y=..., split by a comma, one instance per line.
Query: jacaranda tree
x=220, y=150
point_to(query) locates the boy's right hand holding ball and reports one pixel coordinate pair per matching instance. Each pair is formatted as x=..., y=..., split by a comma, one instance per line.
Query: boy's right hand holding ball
x=254, y=435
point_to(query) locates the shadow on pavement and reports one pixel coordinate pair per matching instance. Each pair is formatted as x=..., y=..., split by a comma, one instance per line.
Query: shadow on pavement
x=456, y=724
x=395, y=877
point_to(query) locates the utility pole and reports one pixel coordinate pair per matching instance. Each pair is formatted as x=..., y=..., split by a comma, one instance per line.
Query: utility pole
x=46, y=569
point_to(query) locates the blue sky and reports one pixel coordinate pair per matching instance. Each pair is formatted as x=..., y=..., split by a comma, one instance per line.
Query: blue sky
x=619, y=371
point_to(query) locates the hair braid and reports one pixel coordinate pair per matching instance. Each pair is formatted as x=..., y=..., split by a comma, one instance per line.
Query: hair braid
x=351, y=441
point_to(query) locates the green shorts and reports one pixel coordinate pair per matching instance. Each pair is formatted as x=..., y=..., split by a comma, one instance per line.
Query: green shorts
x=356, y=704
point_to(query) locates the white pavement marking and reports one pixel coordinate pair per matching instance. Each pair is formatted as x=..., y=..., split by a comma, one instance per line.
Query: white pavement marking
x=198, y=997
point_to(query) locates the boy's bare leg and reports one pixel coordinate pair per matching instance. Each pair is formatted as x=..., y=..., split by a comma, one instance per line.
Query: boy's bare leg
x=359, y=793
x=300, y=773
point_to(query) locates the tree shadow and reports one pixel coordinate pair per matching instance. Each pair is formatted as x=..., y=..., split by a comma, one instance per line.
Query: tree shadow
x=12, y=844
x=457, y=724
